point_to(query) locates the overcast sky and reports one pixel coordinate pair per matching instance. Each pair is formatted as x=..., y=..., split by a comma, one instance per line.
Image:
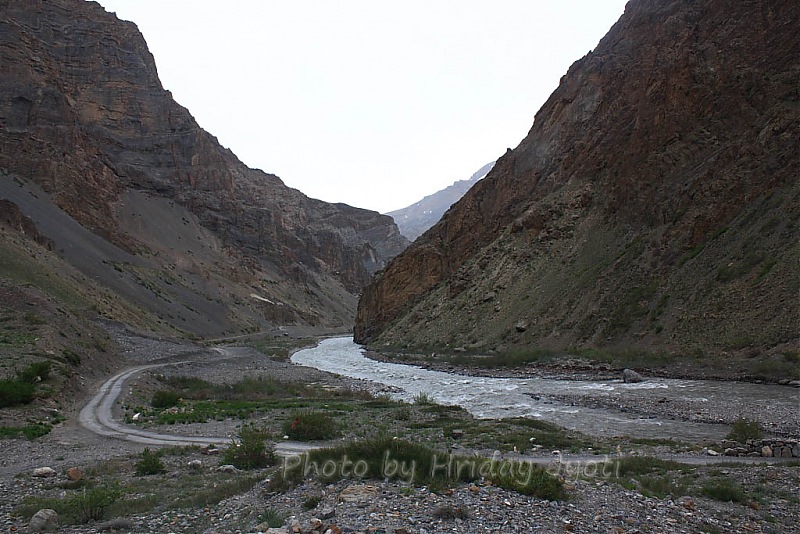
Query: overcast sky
x=374, y=103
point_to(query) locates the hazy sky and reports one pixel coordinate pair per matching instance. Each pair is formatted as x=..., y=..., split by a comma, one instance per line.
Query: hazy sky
x=374, y=103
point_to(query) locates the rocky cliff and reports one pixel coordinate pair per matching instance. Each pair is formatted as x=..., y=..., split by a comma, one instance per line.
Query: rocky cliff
x=653, y=205
x=89, y=135
x=416, y=219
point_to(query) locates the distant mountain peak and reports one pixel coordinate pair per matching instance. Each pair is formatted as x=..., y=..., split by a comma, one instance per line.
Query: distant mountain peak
x=414, y=220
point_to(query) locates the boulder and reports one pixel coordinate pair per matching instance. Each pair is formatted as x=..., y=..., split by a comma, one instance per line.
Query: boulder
x=766, y=451
x=358, y=493
x=45, y=520
x=629, y=376
x=74, y=474
x=44, y=472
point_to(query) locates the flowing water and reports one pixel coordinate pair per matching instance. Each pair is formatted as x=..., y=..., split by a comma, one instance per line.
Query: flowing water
x=494, y=398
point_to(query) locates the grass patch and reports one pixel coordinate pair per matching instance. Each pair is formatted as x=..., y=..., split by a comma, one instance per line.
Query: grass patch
x=646, y=465
x=309, y=425
x=272, y=517
x=78, y=507
x=31, y=432
x=725, y=490
x=394, y=459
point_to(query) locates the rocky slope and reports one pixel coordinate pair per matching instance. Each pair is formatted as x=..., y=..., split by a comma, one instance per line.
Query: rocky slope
x=653, y=206
x=414, y=220
x=125, y=186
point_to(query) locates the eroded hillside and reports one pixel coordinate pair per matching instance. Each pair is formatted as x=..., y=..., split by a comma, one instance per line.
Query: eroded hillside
x=131, y=192
x=653, y=206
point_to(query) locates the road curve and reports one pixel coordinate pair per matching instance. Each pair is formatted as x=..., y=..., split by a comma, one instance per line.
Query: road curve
x=97, y=417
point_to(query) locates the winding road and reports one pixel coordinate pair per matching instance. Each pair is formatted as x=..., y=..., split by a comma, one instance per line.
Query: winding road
x=97, y=417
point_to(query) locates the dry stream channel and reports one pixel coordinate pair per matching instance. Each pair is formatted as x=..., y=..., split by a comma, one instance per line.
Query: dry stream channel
x=495, y=398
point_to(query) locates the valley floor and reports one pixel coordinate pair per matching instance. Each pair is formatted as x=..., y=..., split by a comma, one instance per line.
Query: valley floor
x=195, y=496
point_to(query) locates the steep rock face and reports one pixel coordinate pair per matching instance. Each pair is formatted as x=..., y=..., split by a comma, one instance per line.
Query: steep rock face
x=416, y=219
x=653, y=204
x=84, y=117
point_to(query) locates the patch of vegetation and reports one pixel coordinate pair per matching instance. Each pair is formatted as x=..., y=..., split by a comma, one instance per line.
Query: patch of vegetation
x=725, y=490
x=15, y=392
x=165, y=399
x=744, y=429
x=646, y=465
x=36, y=372
x=423, y=399
x=150, y=463
x=31, y=432
x=272, y=517
x=311, y=502
x=78, y=507
x=514, y=357
x=250, y=451
x=309, y=425
x=394, y=459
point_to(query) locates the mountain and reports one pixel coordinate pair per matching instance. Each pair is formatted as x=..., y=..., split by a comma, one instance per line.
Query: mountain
x=652, y=207
x=414, y=220
x=113, y=190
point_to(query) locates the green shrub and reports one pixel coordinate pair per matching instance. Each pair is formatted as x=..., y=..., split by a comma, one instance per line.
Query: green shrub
x=744, y=429
x=13, y=392
x=251, y=450
x=724, y=490
x=93, y=503
x=150, y=463
x=36, y=372
x=165, y=399
x=309, y=503
x=272, y=517
x=309, y=425
x=31, y=432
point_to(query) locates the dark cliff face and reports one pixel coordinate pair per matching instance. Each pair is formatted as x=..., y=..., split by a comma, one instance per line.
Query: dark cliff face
x=84, y=117
x=654, y=202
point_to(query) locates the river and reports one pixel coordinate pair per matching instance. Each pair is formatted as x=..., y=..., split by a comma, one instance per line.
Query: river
x=494, y=398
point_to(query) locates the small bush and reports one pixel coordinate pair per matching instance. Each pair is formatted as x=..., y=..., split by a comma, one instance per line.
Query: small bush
x=165, y=399
x=251, y=450
x=309, y=426
x=422, y=399
x=92, y=504
x=14, y=392
x=309, y=503
x=744, y=429
x=724, y=490
x=272, y=517
x=36, y=372
x=149, y=464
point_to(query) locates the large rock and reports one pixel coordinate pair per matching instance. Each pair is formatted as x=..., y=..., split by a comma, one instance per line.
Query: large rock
x=45, y=520
x=654, y=186
x=44, y=472
x=629, y=376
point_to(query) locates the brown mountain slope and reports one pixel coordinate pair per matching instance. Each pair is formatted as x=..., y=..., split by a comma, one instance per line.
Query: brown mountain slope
x=653, y=205
x=149, y=203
